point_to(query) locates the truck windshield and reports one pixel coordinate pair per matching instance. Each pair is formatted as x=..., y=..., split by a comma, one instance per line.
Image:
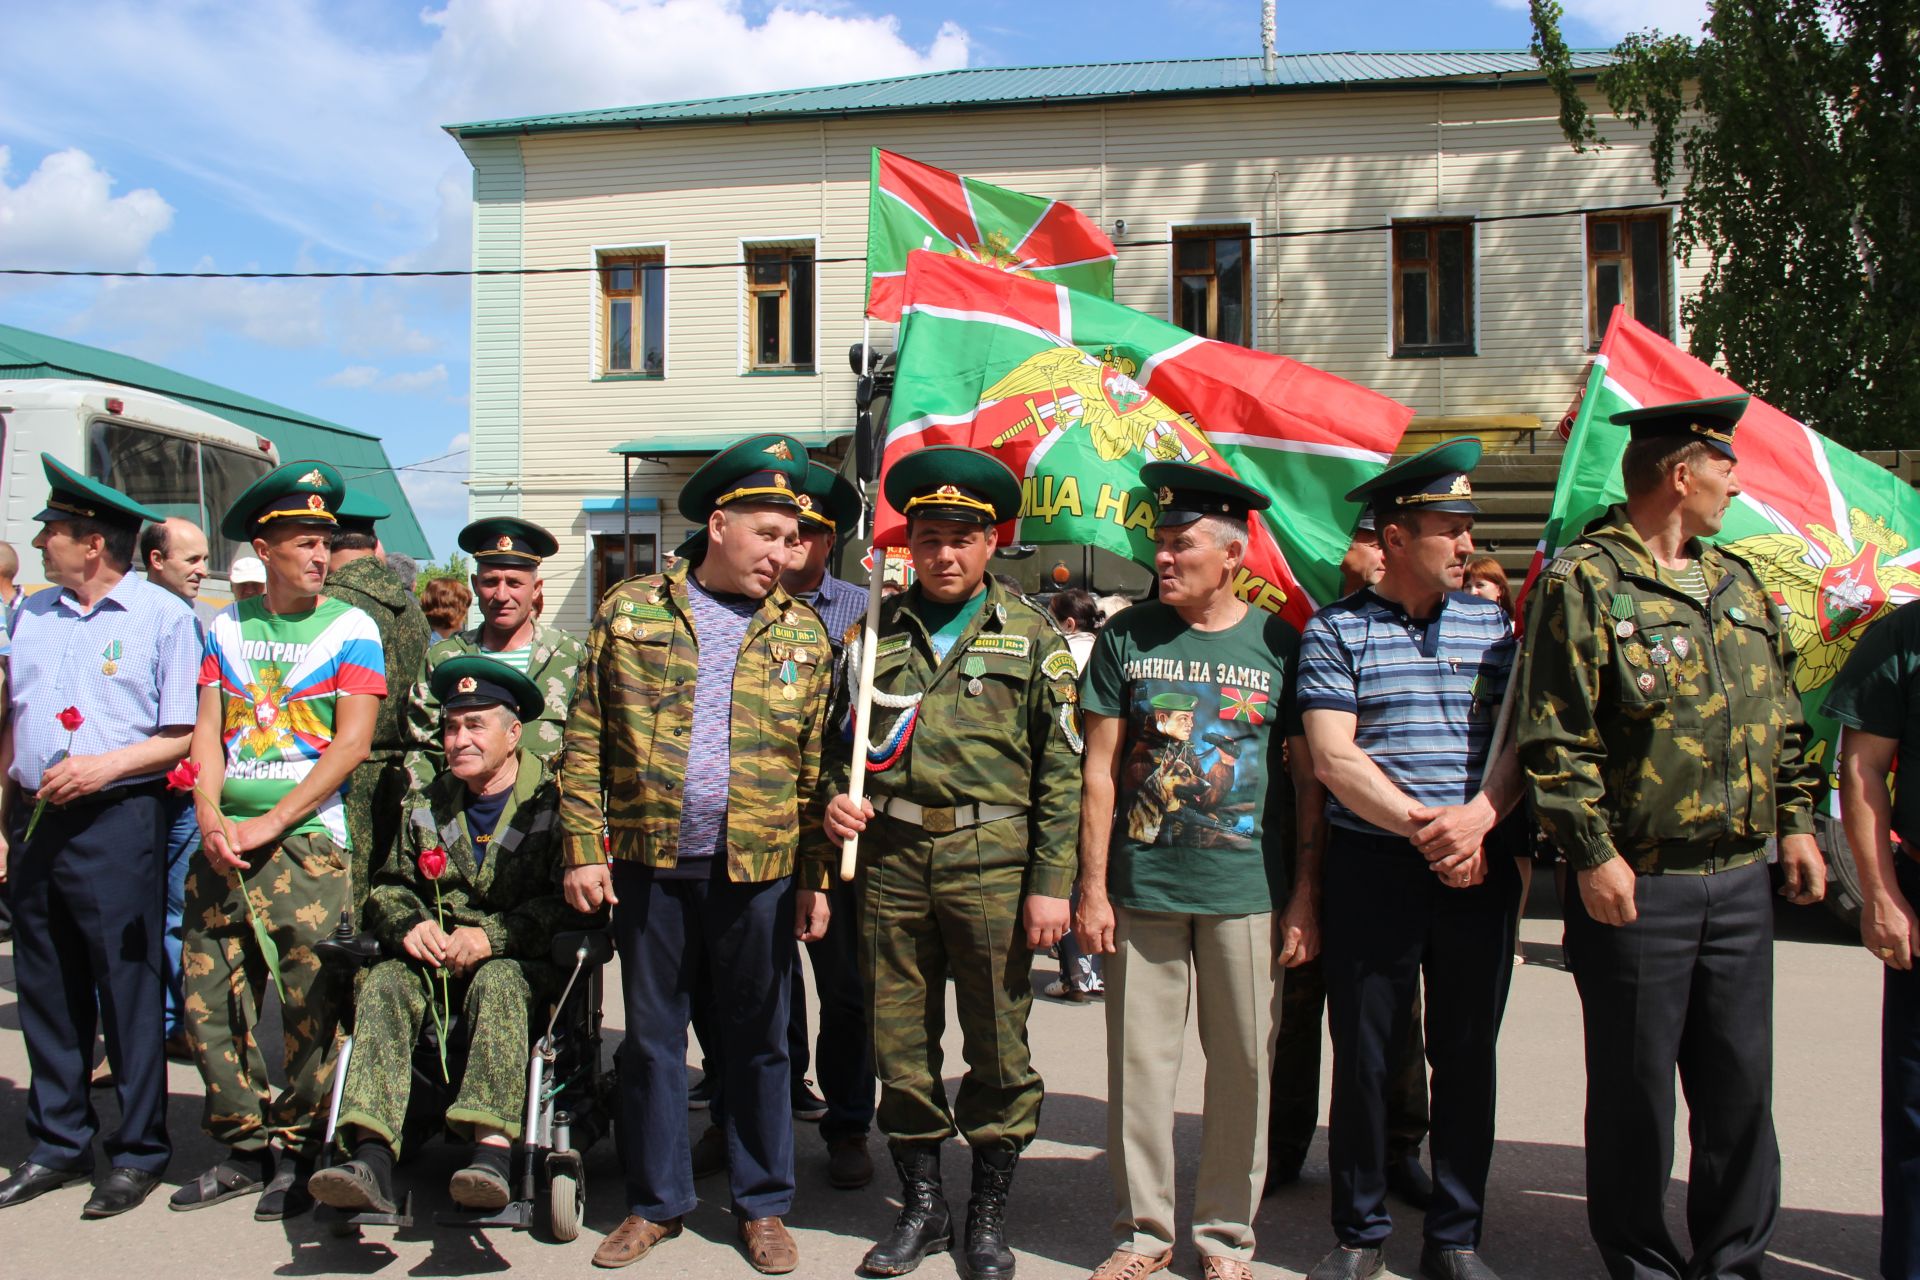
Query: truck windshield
x=175, y=476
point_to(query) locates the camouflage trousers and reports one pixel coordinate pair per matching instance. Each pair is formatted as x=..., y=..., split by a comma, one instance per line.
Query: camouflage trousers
x=934, y=907
x=376, y=796
x=496, y=1005
x=298, y=889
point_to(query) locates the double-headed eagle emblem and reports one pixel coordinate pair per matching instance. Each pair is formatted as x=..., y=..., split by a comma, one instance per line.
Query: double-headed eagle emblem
x=1121, y=415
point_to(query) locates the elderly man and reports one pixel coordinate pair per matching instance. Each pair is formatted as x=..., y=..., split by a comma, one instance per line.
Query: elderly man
x=248, y=577
x=506, y=582
x=693, y=761
x=968, y=859
x=85, y=835
x=174, y=554
x=485, y=830
x=1400, y=684
x=289, y=690
x=1174, y=870
x=357, y=574
x=1666, y=745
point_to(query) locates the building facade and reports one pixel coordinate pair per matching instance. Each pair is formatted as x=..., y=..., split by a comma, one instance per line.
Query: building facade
x=1413, y=222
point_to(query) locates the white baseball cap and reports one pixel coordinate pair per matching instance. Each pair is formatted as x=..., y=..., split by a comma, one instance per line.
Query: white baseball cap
x=247, y=569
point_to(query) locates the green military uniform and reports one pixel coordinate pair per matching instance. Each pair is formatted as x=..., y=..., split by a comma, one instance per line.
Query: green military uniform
x=379, y=783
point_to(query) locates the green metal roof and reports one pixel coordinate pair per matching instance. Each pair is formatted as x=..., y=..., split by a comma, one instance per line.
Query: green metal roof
x=1017, y=86
x=360, y=457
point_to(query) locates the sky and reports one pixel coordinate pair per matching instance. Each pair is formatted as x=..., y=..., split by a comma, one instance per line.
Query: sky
x=239, y=135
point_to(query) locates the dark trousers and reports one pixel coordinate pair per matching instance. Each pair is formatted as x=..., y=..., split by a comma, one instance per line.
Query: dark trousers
x=89, y=896
x=1900, y=1108
x=1389, y=923
x=842, y=1059
x=1295, y=1110
x=668, y=931
x=1687, y=985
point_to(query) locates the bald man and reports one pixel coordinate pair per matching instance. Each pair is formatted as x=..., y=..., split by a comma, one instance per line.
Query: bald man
x=174, y=554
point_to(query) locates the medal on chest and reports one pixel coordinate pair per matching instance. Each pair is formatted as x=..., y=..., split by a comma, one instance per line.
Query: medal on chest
x=110, y=659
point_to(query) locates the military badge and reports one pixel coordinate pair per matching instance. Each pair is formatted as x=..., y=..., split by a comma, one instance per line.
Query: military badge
x=467, y=684
x=1682, y=646
x=1737, y=614
x=316, y=503
x=975, y=688
x=1165, y=496
x=314, y=480
x=503, y=543
x=1059, y=665
x=1661, y=655
x=623, y=626
x=1646, y=682
x=778, y=449
x=1624, y=628
x=806, y=502
x=1461, y=487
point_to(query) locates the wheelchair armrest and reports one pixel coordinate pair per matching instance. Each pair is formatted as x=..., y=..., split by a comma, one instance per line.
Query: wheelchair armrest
x=568, y=942
x=348, y=950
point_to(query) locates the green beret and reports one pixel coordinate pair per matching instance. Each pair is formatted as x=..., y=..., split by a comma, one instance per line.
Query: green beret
x=1174, y=701
x=769, y=469
x=360, y=510
x=72, y=496
x=828, y=501
x=296, y=493
x=474, y=680
x=507, y=542
x=952, y=482
x=1433, y=480
x=1709, y=421
x=1187, y=492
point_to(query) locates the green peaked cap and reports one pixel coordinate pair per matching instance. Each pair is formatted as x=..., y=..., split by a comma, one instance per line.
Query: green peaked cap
x=475, y=680
x=507, y=542
x=952, y=482
x=72, y=496
x=360, y=511
x=1432, y=480
x=1709, y=421
x=828, y=500
x=767, y=468
x=1186, y=492
x=296, y=493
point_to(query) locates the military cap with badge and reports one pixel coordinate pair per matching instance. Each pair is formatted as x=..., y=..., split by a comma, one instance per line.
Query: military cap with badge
x=473, y=680
x=1710, y=421
x=1187, y=493
x=296, y=495
x=952, y=482
x=72, y=496
x=828, y=501
x=769, y=469
x=1432, y=480
x=507, y=542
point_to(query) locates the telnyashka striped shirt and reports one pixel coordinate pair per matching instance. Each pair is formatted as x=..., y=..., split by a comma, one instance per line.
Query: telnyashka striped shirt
x=1424, y=693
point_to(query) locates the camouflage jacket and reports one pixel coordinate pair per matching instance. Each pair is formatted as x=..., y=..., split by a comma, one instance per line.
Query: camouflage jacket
x=627, y=737
x=370, y=587
x=1016, y=741
x=554, y=667
x=1654, y=727
x=514, y=897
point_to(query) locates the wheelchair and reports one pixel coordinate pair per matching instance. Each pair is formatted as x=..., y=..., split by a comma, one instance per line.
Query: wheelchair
x=569, y=1100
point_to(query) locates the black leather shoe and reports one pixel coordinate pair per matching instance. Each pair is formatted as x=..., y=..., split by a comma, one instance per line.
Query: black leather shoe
x=1407, y=1178
x=849, y=1167
x=924, y=1224
x=123, y=1189
x=1453, y=1264
x=1348, y=1264
x=286, y=1195
x=31, y=1180
x=986, y=1256
x=352, y=1187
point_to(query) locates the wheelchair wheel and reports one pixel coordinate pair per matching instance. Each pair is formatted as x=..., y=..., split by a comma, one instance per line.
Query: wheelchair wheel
x=566, y=1199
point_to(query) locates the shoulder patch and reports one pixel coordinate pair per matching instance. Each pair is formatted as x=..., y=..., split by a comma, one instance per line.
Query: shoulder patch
x=891, y=645
x=1059, y=665
x=800, y=634
x=1014, y=646
x=1560, y=568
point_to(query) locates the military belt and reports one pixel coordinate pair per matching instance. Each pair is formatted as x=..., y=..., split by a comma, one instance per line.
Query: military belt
x=939, y=819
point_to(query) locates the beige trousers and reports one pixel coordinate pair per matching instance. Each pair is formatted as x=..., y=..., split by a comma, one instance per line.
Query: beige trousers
x=1166, y=963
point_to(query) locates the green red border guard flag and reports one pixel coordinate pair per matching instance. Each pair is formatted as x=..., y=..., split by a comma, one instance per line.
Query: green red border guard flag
x=1835, y=538
x=916, y=206
x=1074, y=393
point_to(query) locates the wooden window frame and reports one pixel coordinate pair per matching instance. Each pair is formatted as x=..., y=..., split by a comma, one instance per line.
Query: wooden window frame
x=638, y=260
x=1212, y=233
x=1623, y=256
x=790, y=252
x=1400, y=267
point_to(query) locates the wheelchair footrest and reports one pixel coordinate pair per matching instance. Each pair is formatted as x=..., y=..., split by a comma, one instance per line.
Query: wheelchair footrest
x=402, y=1219
x=517, y=1216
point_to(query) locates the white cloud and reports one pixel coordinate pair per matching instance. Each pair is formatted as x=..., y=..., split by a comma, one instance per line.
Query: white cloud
x=1605, y=21
x=435, y=487
x=353, y=377
x=64, y=214
x=368, y=377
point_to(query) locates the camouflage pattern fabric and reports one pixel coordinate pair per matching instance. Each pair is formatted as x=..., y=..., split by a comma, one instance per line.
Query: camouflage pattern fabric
x=626, y=745
x=378, y=784
x=299, y=889
x=998, y=724
x=553, y=666
x=1656, y=727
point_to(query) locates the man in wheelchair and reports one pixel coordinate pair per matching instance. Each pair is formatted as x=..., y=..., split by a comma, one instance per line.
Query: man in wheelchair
x=471, y=892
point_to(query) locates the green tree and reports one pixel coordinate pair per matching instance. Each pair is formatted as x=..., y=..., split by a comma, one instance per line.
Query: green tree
x=1795, y=126
x=456, y=568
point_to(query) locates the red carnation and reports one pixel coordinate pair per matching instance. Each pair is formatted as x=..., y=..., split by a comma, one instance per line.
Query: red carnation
x=433, y=862
x=71, y=719
x=184, y=776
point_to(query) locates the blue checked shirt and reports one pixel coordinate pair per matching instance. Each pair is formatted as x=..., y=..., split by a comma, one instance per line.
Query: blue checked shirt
x=61, y=658
x=1424, y=696
x=841, y=605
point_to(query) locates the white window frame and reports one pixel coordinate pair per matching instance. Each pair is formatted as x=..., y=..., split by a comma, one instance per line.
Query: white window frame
x=597, y=346
x=743, y=336
x=610, y=523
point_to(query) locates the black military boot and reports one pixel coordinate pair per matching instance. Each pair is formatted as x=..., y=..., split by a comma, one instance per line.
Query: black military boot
x=924, y=1224
x=986, y=1256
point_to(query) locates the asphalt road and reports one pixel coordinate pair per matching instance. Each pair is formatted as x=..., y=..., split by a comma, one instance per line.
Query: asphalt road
x=1827, y=1109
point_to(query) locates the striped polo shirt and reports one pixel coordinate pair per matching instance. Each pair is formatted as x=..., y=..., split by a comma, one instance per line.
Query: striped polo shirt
x=1424, y=692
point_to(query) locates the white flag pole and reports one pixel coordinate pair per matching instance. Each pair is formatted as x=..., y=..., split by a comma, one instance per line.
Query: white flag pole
x=869, y=641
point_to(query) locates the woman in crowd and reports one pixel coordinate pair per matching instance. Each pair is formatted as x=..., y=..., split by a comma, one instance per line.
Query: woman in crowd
x=445, y=602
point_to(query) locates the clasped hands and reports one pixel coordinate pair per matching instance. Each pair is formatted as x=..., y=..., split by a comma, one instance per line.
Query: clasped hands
x=1452, y=839
x=461, y=952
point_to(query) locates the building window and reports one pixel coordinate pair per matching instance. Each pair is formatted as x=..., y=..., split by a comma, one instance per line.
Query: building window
x=1212, y=287
x=633, y=289
x=1627, y=267
x=780, y=307
x=610, y=568
x=1433, y=289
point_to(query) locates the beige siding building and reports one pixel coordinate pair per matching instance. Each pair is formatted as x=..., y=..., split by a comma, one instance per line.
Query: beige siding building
x=1415, y=223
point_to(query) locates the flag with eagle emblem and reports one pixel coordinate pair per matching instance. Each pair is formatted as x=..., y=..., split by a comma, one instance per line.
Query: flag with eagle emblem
x=916, y=206
x=1835, y=538
x=1075, y=393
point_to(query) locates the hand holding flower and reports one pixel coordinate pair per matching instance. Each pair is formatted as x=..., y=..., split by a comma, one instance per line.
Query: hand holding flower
x=433, y=865
x=222, y=855
x=53, y=786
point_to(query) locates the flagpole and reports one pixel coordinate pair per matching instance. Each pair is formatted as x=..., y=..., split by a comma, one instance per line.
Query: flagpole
x=869, y=641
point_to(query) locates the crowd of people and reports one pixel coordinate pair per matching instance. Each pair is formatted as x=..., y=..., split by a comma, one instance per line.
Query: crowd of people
x=1210, y=815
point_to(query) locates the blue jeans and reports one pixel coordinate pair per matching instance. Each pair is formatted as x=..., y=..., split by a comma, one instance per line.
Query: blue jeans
x=183, y=841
